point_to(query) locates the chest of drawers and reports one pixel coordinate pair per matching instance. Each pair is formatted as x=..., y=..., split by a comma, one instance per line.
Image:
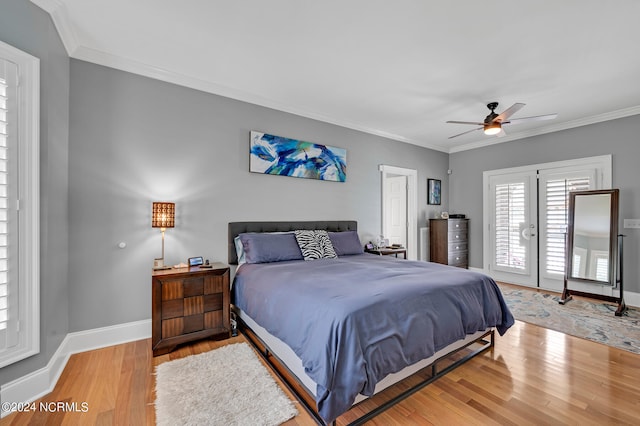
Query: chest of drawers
x=448, y=242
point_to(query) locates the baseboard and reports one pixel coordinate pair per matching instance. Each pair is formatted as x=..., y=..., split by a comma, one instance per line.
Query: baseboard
x=41, y=382
x=630, y=298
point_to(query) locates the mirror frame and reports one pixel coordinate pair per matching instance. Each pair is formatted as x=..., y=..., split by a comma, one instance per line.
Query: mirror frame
x=615, y=254
x=613, y=235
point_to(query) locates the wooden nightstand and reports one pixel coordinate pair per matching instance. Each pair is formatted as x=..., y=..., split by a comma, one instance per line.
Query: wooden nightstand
x=189, y=304
x=387, y=251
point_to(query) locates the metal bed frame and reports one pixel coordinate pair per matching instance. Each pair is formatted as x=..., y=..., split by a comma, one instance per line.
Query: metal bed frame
x=486, y=340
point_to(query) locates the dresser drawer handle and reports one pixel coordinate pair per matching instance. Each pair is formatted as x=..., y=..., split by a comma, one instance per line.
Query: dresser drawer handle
x=457, y=247
x=457, y=258
x=457, y=225
x=457, y=236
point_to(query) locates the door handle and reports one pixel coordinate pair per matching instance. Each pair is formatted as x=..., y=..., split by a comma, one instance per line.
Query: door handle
x=527, y=233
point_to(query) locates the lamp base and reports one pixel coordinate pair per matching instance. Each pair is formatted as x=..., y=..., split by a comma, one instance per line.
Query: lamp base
x=158, y=264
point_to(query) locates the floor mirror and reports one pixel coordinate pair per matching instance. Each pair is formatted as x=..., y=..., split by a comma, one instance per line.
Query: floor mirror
x=594, y=248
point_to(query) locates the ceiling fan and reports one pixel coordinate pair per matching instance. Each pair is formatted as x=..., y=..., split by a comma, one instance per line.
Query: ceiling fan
x=493, y=122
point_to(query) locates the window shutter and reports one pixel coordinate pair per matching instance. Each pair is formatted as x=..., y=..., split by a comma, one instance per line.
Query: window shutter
x=8, y=200
x=509, y=218
x=602, y=268
x=557, y=204
x=19, y=205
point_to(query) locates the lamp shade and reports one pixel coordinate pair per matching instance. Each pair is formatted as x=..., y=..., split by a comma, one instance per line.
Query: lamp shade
x=163, y=215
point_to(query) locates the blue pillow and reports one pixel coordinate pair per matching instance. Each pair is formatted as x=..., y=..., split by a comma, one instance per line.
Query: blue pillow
x=268, y=247
x=346, y=243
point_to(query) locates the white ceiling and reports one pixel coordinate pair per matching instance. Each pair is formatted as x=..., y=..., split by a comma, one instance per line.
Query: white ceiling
x=398, y=69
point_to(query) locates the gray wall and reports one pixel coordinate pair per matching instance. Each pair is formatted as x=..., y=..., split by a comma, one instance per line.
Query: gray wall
x=134, y=140
x=30, y=29
x=617, y=137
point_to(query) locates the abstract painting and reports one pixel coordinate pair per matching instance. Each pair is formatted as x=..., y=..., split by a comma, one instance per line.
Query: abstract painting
x=276, y=155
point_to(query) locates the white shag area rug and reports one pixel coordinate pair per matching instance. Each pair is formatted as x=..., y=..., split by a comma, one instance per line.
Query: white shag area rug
x=226, y=386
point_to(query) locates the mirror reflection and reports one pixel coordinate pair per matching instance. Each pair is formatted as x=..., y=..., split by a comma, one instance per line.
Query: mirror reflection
x=590, y=254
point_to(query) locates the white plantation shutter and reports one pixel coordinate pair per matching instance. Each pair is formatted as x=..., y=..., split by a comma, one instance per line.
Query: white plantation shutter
x=4, y=282
x=579, y=263
x=19, y=205
x=556, y=210
x=8, y=213
x=600, y=264
x=602, y=269
x=509, y=218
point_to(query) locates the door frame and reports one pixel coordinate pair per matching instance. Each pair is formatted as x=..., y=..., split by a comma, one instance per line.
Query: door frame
x=604, y=179
x=412, y=205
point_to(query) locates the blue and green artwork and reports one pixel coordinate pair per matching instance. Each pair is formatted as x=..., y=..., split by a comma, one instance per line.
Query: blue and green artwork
x=276, y=155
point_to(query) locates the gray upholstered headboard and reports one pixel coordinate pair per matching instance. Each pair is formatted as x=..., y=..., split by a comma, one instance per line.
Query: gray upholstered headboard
x=236, y=228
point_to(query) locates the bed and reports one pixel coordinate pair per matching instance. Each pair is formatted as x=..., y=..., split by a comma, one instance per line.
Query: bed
x=346, y=325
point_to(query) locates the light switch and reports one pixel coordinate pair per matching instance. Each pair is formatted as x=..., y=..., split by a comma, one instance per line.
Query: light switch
x=632, y=223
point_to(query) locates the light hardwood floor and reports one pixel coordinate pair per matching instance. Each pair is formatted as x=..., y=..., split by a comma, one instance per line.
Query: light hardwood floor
x=532, y=376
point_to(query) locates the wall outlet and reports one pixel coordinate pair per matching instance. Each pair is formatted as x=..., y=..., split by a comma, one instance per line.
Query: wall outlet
x=632, y=223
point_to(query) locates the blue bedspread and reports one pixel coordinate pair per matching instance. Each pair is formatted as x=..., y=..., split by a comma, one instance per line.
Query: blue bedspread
x=355, y=319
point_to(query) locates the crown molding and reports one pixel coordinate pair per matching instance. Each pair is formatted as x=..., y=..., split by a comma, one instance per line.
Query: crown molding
x=58, y=13
x=129, y=65
x=594, y=119
x=60, y=18
x=77, y=51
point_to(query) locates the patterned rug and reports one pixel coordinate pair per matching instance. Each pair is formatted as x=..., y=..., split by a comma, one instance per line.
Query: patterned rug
x=592, y=320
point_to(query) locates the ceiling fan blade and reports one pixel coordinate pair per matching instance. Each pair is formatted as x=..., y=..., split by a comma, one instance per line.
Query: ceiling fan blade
x=533, y=118
x=464, y=133
x=475, y=123
x=508, y=112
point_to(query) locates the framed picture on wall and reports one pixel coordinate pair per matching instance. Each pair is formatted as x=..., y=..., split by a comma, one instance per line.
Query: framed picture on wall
x=433, y=194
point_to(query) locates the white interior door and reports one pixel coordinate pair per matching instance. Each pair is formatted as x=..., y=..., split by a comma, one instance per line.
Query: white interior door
x=411, y=205
x=513, y=228
x=396, y=210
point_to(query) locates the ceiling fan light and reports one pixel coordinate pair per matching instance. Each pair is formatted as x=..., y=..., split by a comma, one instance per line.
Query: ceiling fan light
x=492, y=129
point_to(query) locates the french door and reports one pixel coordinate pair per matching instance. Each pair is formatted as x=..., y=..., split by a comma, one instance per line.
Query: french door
x=553, y=197
x=513, y=227
x=526, y=218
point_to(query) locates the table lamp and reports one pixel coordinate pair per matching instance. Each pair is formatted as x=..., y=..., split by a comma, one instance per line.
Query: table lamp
x=162, y=216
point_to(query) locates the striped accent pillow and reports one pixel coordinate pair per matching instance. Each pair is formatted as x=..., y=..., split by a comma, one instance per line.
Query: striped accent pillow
x=315, y=245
